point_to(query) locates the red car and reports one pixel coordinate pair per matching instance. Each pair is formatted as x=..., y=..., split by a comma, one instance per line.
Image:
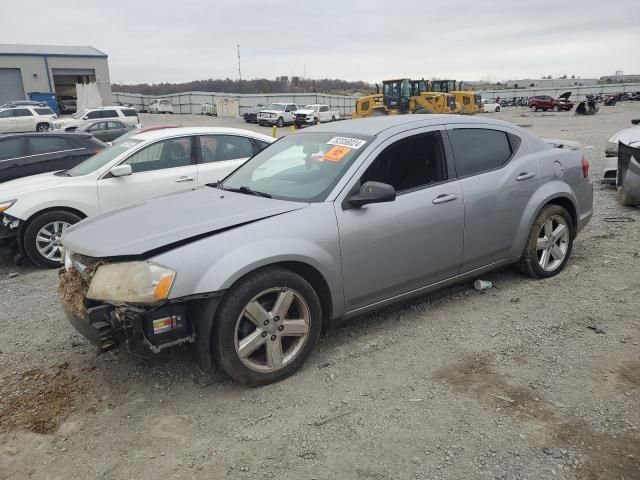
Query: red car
x=545, y=102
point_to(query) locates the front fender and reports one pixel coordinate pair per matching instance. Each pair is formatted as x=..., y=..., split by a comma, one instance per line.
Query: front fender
x=548, y=192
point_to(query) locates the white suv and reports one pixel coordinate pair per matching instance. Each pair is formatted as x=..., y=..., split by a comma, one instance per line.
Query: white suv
x=161, y=105
x=26, y=119
x=124, y=114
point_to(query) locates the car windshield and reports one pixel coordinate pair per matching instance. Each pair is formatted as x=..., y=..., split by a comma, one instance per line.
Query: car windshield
x=275, y=106
x=79, y=114
x=99, y=160
x=312, y=107
x=303, y=167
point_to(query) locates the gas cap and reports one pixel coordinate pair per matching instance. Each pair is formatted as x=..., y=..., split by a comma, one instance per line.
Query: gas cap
x=558, y=168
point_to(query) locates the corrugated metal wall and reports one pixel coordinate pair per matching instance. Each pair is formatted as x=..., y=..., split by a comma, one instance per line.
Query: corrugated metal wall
x=190, y=102
x=577, y=93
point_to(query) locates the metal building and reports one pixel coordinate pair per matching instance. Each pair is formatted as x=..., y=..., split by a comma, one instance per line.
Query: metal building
x=51, y=69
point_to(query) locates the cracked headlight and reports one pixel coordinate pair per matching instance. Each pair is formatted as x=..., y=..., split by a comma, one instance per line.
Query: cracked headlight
x=131, y=282
x=5, y=205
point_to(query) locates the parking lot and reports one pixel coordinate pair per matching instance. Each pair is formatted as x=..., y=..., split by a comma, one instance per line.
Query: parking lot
x=526, y=380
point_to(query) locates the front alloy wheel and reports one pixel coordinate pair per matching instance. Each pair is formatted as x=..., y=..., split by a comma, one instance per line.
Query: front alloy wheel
x=265, y=326
x=272, y=329
x=42, y=237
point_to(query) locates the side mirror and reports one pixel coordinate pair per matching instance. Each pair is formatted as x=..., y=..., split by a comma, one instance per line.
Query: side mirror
x=372, y=192
x=121, y=170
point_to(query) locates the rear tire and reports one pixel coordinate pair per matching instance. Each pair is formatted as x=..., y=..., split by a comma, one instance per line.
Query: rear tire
x=41, y=240
x=232, y=327
x=534, y=108
x=557, y=249
x=333, y=119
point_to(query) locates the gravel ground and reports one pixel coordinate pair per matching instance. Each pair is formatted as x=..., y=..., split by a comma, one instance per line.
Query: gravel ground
x=509, y=383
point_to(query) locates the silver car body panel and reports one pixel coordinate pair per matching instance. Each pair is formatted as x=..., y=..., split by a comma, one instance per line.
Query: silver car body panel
x=368, y=257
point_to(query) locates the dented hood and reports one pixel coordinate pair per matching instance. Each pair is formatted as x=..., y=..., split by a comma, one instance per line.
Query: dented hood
x=166, y=222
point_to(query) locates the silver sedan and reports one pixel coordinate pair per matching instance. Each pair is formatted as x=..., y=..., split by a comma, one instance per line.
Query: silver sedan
x=322, y=226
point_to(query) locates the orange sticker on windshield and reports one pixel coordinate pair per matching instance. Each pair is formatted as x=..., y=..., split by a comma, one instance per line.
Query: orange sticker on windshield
x=337, y=153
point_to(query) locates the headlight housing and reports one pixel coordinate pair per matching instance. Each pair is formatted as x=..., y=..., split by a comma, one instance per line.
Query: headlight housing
x=611, y=150
x=6, y=205
x=131, y=282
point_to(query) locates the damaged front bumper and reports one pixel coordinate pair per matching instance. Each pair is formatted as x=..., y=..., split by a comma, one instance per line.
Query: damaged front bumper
x=9, y=226
x=138, y=329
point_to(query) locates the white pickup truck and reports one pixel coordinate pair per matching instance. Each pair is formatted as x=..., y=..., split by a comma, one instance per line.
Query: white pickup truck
x=314, y=114
x=278, y=114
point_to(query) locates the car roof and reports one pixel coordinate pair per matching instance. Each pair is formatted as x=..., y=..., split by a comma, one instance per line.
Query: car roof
x=377, y=125
x=179, y=131
x=46, y=134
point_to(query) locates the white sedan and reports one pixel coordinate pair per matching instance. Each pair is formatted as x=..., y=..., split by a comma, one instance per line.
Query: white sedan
x=145, y=165
x=490, y=106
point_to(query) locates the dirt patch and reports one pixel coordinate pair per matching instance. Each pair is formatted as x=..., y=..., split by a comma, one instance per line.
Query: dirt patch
x=36, y=400
x=476, y=374
x=72, y=291
x=629, y=374
x=610, y=456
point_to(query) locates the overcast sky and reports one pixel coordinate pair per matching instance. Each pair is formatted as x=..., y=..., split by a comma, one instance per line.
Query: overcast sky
x=174, y=41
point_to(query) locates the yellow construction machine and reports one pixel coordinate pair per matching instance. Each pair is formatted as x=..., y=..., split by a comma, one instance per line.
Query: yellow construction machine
x=467, y=101
x=404, y=96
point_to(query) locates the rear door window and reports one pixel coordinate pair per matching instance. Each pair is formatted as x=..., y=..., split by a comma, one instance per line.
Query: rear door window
x=44, y=111
x=47, y=144
x=129, y=113
x=108, y=114
x=98, y=126
x=11, y=148
x=114, y=125
x=218, y=148
x=94, y=114
x=22, y=112
x=478, y=150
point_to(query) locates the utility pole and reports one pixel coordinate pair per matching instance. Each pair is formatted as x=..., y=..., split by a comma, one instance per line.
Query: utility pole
x=239, y=71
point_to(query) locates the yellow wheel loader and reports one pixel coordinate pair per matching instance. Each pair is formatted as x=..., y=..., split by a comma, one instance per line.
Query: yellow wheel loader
x=467, y=101
x=404, y=96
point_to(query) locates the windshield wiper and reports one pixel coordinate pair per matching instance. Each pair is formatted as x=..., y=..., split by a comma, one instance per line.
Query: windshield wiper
x=247, y=190
x=62, y=173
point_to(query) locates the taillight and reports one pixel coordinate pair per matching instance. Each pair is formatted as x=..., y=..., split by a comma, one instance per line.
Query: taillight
x=585, y=167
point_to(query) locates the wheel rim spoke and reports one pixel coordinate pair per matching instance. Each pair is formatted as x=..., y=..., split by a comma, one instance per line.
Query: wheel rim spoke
x=294, y=328
x=274, y=354
x=556, y=253
x=283, y=304
x=256, y=313
x=251, y=343
x=548, y=228
x=542, y=243
x=544, y=259
x=560, y=230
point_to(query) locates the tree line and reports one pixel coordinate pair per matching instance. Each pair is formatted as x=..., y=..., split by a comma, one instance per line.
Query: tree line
x=282, y=84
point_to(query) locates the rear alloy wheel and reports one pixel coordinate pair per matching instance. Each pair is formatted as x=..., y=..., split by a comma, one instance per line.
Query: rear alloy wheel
x=549, y=243
x=42, y=127
x=266, y=326
x=280, y=122
x=42, y=237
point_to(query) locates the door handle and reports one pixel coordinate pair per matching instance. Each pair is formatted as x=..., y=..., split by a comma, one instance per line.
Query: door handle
x=444, y=198
x=184, y=179
x=525, y=176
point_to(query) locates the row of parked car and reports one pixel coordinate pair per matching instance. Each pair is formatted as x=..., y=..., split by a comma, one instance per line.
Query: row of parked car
x=281, y=114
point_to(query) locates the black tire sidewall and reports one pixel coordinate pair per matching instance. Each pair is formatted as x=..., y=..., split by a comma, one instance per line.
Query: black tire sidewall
x=280, y=122
x=534, y=268
x=31, y=231
x=223, y=331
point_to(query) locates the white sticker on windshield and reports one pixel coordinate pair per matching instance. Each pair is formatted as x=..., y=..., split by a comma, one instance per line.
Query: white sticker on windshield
x=347, y=142
x=127, y=144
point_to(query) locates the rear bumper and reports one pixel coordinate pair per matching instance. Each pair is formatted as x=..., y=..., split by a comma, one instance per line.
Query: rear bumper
x=609, y=170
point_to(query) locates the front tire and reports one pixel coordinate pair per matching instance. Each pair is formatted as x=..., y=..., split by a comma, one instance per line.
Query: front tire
x=549, y=243
x=42, y=127
x=534, y=108
x=266, y=326
x=556, y=108
x=497, y=109
x=280, y=122
x=41, y=240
